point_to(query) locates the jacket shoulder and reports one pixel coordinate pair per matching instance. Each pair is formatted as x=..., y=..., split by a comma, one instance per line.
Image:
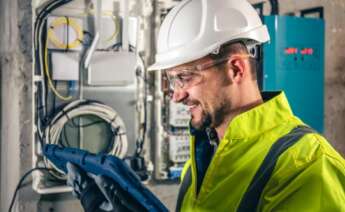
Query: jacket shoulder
x=311, y=148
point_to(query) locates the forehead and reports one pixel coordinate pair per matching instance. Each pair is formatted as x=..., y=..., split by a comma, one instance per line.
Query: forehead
x=180, y=68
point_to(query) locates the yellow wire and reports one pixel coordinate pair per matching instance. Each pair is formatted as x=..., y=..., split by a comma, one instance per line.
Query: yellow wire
x=116, y=23
x=50, y=83
x=69, y=23
x=110, y=14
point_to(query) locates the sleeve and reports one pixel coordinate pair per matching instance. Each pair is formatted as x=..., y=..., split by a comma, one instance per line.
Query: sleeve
x=318, y=185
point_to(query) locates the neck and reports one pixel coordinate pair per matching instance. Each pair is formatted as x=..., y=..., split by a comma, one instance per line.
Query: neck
x=245, y=104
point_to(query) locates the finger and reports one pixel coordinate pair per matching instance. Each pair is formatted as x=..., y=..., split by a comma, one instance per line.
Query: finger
x=118, y=198
x=104, y=185
x=74, y=178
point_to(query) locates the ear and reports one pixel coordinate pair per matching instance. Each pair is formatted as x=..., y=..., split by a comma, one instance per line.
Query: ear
x=237, y=69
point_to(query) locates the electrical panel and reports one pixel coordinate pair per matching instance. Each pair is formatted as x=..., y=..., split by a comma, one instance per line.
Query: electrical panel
x=89, y=83
x=175, y=139
x=91, y=89
x=178, y=138
x=293, y=61
x=179, y=147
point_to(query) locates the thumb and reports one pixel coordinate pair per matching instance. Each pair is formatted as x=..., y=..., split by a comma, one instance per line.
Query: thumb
x=107, y=187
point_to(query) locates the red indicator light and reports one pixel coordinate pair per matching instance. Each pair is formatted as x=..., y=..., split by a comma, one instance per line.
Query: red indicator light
x=307, y=51
x=291, y=50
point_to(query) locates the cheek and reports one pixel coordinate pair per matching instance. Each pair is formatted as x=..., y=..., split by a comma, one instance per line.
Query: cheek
x=196, y=92
x=209, y=92
x=205, y=95
x=215, y=95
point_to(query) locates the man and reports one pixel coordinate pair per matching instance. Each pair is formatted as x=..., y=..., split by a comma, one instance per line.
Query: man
x=207, y=49
x=248, y=151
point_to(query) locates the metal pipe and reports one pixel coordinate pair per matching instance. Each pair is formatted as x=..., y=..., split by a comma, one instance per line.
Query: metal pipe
x=91, y=50
x=125, y=13
x=95, y=40
x=159, y=131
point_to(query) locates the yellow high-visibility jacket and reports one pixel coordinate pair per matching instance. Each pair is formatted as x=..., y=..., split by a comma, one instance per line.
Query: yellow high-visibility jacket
x=309, y=176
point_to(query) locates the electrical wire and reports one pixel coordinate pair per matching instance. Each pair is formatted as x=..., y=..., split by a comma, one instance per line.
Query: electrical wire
x=50, y=82
x=41, y=57
x=116, y=24
x=116, y=30
x=68, y=22
x=19, y=185
x=80, y=108
x=115, y=19
x=39, y=48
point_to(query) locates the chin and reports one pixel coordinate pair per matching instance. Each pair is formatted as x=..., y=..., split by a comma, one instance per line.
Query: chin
x=196, y=124
x=201, y=123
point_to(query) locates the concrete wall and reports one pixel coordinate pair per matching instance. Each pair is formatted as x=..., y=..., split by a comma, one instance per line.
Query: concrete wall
x=15, y=63
x=334, y=15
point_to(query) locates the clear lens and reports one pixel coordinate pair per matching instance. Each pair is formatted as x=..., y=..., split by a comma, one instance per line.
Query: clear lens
x=185, y=79
x=190, y=76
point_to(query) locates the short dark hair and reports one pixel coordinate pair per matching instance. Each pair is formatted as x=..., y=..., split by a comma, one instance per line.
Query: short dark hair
x=237, y=48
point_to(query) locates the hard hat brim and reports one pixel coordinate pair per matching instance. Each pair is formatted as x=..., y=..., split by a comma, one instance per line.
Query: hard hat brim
x=175, y=58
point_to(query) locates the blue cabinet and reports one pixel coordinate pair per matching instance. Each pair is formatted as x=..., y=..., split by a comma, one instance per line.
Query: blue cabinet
x=293, y=61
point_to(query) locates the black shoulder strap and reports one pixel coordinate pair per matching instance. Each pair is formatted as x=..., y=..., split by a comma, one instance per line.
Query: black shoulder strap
x=187, y=179
x=251, y=198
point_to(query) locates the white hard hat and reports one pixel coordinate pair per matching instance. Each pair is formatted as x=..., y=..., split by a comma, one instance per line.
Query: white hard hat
x=196, y=28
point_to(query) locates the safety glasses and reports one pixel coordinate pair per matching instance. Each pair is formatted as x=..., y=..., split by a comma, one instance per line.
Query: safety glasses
x=191, y=75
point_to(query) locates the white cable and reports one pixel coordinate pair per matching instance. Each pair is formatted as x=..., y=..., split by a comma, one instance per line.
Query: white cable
x=79, y=108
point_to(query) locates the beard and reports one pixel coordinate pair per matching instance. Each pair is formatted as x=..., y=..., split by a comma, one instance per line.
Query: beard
x=212, y=118
x=214, y=112
x=205, y=121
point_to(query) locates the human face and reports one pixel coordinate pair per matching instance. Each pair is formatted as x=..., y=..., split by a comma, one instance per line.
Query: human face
x=203, y=90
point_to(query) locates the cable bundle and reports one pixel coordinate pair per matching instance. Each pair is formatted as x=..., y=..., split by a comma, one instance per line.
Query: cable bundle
x=78, y=108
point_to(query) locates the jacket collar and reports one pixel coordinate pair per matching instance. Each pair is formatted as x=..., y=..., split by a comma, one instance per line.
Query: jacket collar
x=251, y=123
x=268, y=115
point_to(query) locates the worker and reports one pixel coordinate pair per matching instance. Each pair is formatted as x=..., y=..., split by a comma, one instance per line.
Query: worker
x=249, y=152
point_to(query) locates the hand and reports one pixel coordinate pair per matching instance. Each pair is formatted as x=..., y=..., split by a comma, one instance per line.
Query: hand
x=99, y=193
x=116, y=198
x=84, y=188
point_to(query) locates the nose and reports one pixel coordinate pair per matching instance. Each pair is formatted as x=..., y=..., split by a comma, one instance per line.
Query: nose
x=179, y=94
